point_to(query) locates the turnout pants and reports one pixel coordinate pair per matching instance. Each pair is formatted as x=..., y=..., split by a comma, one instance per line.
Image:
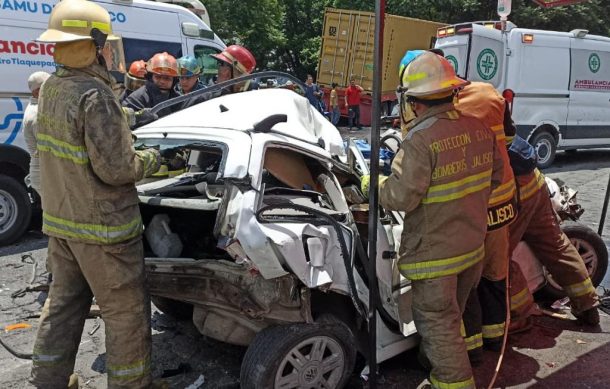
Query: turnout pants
x=114, y=274
x=438, y=304
x=537, y=225
x=485, y=313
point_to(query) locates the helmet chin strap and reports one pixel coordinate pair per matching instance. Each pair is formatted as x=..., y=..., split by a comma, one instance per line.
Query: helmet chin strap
x=99, y=39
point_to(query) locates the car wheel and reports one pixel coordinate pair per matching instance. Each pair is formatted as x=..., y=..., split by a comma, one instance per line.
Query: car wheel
x=177, y=309
x=15, y=210
x=320, y=355
x=546, y=146
x=591, y=248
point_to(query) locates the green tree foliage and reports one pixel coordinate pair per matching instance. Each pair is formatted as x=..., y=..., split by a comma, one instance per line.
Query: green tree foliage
x=285, y=34
x=255, y=24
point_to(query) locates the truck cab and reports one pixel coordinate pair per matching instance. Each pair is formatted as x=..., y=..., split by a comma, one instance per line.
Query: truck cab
x=557, y=82
x=146, y=27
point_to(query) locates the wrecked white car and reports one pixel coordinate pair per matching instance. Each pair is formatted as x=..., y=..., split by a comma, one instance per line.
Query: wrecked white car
x=259, y=235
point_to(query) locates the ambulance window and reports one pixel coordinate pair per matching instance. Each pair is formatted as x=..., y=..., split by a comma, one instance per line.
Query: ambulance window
x=209, y=64
x=137, y=49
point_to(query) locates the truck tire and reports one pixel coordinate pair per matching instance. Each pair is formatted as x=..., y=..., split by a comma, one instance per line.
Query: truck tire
x=546, y=146
x=273, y=358
x=15, y=210
x=591, y=248
x=177, y=309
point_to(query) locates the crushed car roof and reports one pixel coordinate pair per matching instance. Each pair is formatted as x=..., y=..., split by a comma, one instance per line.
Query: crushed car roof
x=241, y=111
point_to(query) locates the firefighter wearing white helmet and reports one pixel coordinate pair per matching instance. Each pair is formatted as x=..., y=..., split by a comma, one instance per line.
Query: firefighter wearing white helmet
x=88, y=173
x=441, y=178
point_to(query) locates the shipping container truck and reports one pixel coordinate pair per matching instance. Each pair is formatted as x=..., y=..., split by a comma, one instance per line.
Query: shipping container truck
x=348, y=51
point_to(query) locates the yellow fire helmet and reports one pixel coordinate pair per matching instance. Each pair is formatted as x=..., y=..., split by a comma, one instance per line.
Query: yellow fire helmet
x=73, y=20
x=430, y=77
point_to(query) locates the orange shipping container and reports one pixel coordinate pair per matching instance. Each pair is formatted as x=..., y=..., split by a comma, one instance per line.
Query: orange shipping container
x=348, y=47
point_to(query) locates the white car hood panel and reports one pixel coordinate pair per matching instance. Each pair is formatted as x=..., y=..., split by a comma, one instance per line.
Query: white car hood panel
x=245, y=109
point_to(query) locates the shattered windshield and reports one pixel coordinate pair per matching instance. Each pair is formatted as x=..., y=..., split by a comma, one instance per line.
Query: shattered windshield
x=185, y=156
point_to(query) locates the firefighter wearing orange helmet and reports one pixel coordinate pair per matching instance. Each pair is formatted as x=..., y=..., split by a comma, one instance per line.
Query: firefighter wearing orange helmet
x=163, y=72
x=135, y=77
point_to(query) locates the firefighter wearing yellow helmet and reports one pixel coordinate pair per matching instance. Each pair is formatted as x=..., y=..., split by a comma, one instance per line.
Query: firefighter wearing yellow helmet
x=88, y=172
x=441, y=178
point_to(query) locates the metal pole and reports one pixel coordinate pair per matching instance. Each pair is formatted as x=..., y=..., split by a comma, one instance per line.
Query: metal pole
x=602, y=219
x=374, y=191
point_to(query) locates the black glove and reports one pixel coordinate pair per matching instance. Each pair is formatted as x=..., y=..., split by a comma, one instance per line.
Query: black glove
x=145, y=116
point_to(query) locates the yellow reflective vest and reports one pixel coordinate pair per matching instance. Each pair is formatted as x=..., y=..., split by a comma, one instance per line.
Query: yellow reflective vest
x=88, y=164
x=442, y=179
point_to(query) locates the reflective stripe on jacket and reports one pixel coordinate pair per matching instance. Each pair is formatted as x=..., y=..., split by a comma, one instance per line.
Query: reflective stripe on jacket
x=482, y=101
x=88, y=163
x=529, y=184
x=442, y=178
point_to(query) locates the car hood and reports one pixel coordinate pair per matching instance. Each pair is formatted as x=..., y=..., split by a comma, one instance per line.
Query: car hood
x=241, y=111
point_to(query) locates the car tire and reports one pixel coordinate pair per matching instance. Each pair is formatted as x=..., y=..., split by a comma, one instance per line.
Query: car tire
x=15, y=210
x=592, y=249
x=546, y=146
x=274, y=357
x=177, y=309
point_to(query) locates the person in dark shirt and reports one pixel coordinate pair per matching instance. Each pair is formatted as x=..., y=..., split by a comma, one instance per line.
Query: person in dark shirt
x=163, y=70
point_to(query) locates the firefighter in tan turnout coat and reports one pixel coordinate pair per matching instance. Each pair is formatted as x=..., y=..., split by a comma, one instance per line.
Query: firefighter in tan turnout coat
x=441, y=178
x=88, y=171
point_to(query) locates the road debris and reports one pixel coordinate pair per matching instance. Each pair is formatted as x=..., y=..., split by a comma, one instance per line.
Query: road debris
x=18, y=354
x=17, y=326
x=197, y=384
x=182, y=368
x=96, y=327
x=556, y=315
x=561, y=304
x=28, y=259
x=94, y=311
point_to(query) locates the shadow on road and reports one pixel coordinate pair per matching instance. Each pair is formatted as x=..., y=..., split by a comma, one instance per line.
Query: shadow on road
x=32, y=240
x=590, y=370
x=580, y=160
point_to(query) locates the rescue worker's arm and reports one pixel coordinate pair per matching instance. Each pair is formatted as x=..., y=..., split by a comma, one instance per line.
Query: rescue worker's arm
x=136, y=119
x=411, y=171
x=136, y=100
x=109, y=144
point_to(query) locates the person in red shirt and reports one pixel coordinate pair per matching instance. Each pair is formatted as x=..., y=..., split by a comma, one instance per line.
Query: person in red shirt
x=352, y=103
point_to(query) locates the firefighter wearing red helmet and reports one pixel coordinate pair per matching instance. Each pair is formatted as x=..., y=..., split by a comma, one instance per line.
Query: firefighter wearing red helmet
x=162, y=69
x=234, y=61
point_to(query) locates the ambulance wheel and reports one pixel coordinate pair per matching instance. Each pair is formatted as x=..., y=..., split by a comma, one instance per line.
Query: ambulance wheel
x=177, y=309
x=15, y=210
x=545, y=144
x=591, y=248
x=320, y=355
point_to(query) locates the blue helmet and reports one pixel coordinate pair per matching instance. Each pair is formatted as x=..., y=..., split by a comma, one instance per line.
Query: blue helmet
x=406, y=60
x=188, y=66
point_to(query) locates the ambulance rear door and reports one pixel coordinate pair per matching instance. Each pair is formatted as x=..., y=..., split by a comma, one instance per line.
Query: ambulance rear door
x=455, y=47
x=589, y=106
x=486, y=58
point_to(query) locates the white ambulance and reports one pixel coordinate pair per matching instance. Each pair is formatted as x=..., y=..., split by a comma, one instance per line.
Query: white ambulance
x=146, y=28
x=559, y=82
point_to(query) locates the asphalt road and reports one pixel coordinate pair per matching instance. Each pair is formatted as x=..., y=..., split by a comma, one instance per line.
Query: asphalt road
x=554, y=354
